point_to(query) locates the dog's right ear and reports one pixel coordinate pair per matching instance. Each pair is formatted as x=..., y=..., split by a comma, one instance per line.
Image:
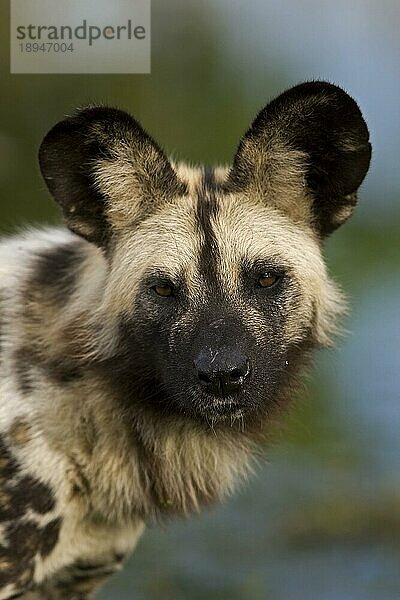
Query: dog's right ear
x=105, y=172
x=310, y=142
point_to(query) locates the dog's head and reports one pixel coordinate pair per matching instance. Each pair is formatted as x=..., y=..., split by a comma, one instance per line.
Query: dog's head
x=216, y=287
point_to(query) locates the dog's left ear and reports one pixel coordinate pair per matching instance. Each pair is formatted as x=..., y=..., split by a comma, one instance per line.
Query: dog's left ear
x=105, y=172
x=306, y=153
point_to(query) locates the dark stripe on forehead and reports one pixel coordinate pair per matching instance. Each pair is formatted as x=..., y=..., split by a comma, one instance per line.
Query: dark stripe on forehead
x=208, y=181
x=207, y=209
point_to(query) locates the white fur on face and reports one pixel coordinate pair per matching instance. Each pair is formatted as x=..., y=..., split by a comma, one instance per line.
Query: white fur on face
x=246, y=229
x=170, y=241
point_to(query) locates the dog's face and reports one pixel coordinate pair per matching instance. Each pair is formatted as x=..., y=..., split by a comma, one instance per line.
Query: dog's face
x=218, y=293
x=217, y=288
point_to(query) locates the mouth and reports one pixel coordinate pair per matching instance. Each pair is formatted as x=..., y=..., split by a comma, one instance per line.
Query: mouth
x=210, y=408
x=222, y=408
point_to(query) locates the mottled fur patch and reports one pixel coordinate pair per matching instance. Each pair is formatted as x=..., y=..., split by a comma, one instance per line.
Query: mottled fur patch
x=19, y=433
x=8, y=464
x=24, y=359
x=23, y=493
x=49, y=537
x=57, y=271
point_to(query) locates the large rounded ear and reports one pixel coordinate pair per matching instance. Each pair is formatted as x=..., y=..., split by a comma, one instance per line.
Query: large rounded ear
x=105, y=172
x=306, y=153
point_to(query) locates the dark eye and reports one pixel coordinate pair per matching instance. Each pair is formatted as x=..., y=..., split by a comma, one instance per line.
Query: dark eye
x=267, y=280
x=163, y=289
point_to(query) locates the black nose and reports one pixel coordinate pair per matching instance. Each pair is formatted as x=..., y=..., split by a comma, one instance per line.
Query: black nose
x=222, y=371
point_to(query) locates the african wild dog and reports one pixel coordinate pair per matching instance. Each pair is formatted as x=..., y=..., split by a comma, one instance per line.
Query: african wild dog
x=145, y=351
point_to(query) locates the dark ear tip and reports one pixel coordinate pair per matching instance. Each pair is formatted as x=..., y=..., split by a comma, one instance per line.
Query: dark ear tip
x=100, y=112
x=86, y=116
x=321, y=88
x=314, y=102
x=86, y=123
x=71, y=130
x=334, y=98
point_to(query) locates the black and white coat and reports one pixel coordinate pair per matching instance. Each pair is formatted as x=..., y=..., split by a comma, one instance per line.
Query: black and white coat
x=106, y=421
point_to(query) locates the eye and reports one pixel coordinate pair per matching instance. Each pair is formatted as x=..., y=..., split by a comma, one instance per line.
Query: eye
x=268, y=280
x=163, y=289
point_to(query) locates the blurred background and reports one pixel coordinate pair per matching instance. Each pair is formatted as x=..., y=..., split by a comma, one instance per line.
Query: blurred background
x=321, y=519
